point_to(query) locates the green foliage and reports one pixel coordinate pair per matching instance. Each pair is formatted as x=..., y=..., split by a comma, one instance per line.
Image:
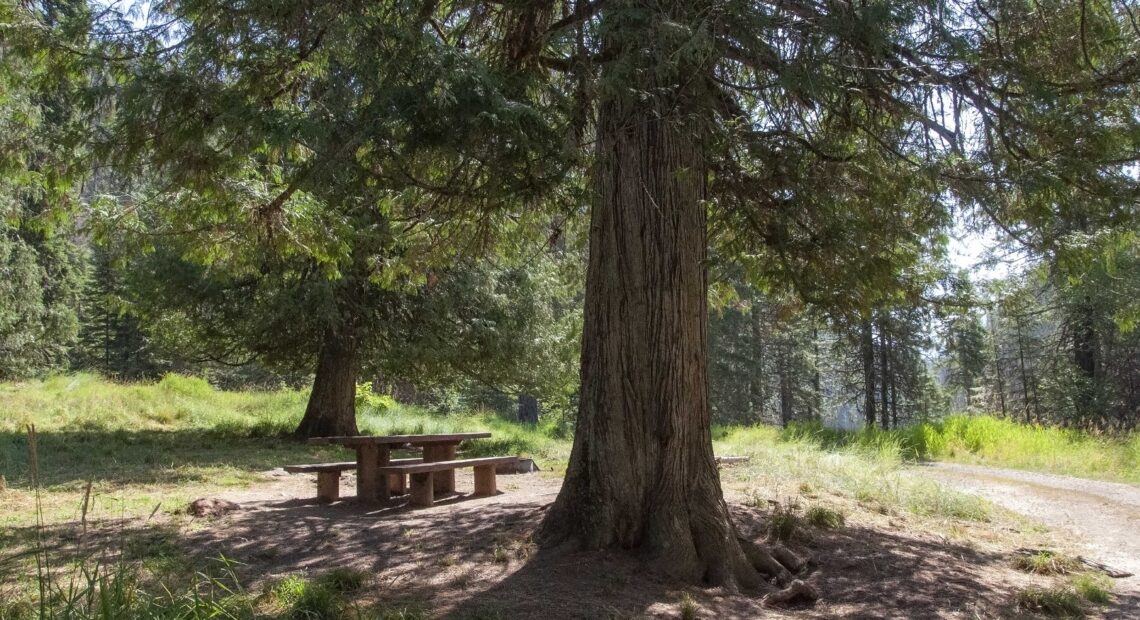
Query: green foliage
x=1093, y=587
x=930, y=499
x=1052, y=602
x=688, y=607
x=785, y=522
x=870, y=473
x=98, y=590
x=1045, y=562
x=991, y=441
x=824, y=518
x=42, y=267
x=316, y=599
x=367, y=399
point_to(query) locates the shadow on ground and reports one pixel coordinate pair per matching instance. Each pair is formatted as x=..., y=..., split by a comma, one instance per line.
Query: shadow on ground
x=150, y=457
x=473, y=558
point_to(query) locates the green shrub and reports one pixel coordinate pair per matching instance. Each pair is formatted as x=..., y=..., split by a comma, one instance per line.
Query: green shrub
x=303, y=599
x=185, y=386
x=824, y=517
x=785, y=522
x=1094, y=588
x=1046, y=562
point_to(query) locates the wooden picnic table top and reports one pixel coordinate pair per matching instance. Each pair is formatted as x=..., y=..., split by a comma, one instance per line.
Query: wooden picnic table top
x=415, y=440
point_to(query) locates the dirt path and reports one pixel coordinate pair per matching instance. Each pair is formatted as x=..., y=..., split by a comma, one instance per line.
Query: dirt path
x=1102, y=518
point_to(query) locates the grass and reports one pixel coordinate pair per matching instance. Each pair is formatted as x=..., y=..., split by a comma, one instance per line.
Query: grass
x=688, y=607
x=164, y=444
x=146, y=448
x=1045, y=562
x=1093, y=587
x=824, y=518
x=873, y=474
x=986, y=440
x=1056, y=602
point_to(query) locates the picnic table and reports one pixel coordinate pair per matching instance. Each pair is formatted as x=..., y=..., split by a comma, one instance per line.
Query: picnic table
x=375, y=451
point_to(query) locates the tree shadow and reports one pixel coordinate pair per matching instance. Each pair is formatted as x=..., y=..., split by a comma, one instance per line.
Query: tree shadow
x=73, y=457
x=474, y=558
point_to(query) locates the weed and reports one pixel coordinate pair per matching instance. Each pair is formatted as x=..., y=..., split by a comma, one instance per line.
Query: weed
x=785, y=522
x=447, y=560
x=1053, y=602
x=524, y=548
x=462, y=581
x=688, y=607
x=303, y=599
x=824, y=517
x=499, y=555
x=343, y=580
x=1046, y=562
x=1094, y=588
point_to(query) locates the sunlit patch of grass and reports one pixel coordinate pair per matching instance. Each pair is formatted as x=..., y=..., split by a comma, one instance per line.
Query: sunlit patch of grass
x=873, y=474
x=1045, y=562
x=991, y=441
x=931, y=499
x=1093, y=587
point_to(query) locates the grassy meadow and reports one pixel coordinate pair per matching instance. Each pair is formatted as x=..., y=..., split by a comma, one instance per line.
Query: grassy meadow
x=109, y=451
x=985, y=440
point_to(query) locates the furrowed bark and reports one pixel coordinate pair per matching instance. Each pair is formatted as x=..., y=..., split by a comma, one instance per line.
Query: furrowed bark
x=642, y=476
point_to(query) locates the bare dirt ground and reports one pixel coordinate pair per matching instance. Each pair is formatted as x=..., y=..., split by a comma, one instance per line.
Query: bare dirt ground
x=1098, y=520
x=475, y=558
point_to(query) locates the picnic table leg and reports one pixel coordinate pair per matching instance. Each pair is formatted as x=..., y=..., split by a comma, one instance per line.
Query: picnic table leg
x=485, y=480
x=421, y=494
x=444, y=481
x=371, y=487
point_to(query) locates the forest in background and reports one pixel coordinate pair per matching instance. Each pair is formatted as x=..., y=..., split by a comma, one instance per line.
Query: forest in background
x=1042, y=345
x=134, y=267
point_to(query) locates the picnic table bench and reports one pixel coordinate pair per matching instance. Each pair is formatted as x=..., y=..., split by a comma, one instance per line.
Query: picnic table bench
x=378, y=475
x=422, y=474
x=328, y=477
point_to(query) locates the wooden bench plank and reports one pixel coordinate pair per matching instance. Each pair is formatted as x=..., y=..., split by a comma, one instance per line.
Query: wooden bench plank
x=314, y=468
x=420, y=468
x=399, y=439
x=328, y=476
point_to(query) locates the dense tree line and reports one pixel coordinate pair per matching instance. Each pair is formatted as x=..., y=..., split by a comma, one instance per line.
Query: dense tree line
x=321, y=186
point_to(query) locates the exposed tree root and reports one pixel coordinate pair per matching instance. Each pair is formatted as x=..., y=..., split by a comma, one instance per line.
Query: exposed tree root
x=797, y=592
x=775, y=562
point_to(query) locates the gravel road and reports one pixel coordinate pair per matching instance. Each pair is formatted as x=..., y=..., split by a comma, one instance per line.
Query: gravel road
x=1103, y=518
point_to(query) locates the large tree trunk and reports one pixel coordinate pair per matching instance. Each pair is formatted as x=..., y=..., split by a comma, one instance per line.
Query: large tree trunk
x=332, y=403
x=642, y=475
